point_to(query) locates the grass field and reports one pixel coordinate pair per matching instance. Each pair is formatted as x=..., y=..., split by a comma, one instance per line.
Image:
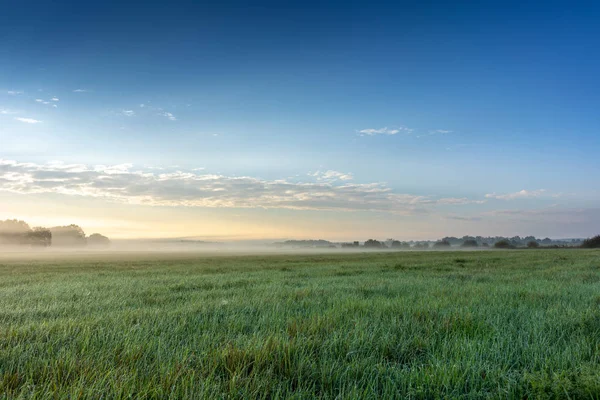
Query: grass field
x=487, y=324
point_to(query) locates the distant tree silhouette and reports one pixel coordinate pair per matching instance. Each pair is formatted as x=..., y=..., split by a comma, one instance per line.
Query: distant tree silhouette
x=469, y=243
x=395, y=244
x=14, y=232
x=421, y=246
x=98, y=240
x=503, y=244
x=68, y=236
x=532, y=244
x=591, y=243
x=444, y=243
x=374, y=244
x=39, y=237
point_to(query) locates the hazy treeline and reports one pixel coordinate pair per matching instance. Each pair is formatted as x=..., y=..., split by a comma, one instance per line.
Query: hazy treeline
x=447, y=242
x=18, y=233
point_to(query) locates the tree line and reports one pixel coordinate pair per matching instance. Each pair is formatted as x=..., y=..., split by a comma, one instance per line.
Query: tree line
x=499, y=242
x=18, y=233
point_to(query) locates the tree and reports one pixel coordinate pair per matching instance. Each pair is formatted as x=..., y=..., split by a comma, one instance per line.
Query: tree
x=469, y=243
x=503, y=244
x=591, y=243
x=98, y=240
x=374, y=244
x=421, y=245
x=532, y=244
x=444, y=243
x=70, y=236
x=39, y=237
x=14, y=232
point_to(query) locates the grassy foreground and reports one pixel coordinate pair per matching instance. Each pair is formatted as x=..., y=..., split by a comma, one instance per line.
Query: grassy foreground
x=493, y=324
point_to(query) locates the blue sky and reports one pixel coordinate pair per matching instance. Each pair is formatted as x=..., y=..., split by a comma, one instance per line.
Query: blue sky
x=467, y=118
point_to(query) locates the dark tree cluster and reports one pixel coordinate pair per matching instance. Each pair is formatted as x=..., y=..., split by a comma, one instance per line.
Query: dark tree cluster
x=374, y=244
x=591, y=243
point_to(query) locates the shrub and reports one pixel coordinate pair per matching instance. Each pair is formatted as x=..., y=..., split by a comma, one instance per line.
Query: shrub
x=469, y=243
x=532, y=244
x=591, y=243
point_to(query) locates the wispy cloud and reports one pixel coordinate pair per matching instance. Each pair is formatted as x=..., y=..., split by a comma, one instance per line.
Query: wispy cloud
x=331, y=176
x=383, y=131
x=522, y=194
x=461, y=218
x=55, y=99
x=80, y=91
x=123, y=183
x=169, y=116
x=14, y=92
x=28, y=120
x=127, y=113
x=4, y=111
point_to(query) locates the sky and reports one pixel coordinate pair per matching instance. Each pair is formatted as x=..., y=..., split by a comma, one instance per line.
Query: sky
x=313, y=119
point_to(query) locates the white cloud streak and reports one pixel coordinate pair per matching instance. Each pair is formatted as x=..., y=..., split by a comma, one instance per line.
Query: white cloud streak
x=28, y=120
x=522, y=194
x=124, y=184
x=383, y=131
x=331, y=176
x=169, y=116
x=127, y=113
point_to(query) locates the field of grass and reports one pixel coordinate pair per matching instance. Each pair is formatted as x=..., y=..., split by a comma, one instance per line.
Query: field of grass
x=486, y=324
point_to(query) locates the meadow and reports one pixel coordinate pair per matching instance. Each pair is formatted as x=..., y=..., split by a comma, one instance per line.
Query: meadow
x=480, y=324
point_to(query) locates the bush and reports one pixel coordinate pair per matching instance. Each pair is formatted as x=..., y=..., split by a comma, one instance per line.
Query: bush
x=503, y=244
x=469, y=243
x=532, y=244
x=591, y=243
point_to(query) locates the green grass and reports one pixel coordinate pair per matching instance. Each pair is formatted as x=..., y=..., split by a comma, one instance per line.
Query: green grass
x=487, y=324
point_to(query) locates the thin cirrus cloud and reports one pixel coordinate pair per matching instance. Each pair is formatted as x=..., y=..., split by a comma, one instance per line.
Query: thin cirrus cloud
x=28, y=120
x=124, y=184
x=80, y=91
x=522, y=194
x=383, y=131
x=127, y=113
x=14, y=92
x=52, y=101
